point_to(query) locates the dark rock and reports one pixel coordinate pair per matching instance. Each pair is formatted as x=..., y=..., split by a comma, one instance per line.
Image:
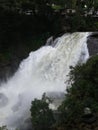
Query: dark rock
x=92, y=43
x=88, y=118
x=8, y=69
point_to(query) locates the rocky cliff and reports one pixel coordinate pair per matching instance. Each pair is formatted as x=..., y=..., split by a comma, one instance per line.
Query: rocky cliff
x=92, y=43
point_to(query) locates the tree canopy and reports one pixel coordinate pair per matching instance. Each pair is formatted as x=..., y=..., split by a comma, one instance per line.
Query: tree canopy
x=42, y=115
x=44, y=5
x=82, y=94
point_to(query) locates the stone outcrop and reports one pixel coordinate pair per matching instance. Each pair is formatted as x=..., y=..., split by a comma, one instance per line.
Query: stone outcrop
x=92, y=43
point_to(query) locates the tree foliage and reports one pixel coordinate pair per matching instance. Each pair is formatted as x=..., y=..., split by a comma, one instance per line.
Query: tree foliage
x=82, y=93
x=50, y=11
x=42, y=116
x=44, y=5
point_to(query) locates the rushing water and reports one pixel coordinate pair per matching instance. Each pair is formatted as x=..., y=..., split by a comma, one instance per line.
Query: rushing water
x=44, y=70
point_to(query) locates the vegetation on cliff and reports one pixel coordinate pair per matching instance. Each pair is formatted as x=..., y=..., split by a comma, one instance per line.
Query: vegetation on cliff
x=81, y=100
x=42, y=115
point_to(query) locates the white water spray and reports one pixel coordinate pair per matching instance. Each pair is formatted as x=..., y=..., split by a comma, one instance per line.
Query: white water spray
x=44, y=70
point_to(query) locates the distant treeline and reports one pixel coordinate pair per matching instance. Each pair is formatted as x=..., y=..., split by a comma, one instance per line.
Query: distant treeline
x=48, y=15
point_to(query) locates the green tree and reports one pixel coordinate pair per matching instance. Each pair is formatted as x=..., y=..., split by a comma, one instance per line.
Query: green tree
x=42, y=116
x=10, y=5
x=82, y=92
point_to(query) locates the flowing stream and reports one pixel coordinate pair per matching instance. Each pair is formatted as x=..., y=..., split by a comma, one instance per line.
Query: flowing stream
x=45, y=70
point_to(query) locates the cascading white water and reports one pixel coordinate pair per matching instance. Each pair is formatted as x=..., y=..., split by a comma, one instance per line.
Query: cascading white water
x=44, y=70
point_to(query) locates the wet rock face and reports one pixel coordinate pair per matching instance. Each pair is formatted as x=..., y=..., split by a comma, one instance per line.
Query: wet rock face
x=92, y=43
x=8, y=69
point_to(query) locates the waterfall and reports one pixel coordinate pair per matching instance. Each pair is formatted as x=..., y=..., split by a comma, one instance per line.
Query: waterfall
x=45, y=70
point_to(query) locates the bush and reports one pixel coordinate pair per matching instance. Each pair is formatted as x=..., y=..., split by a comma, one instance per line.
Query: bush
x=82, y=95
x=42, y=116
